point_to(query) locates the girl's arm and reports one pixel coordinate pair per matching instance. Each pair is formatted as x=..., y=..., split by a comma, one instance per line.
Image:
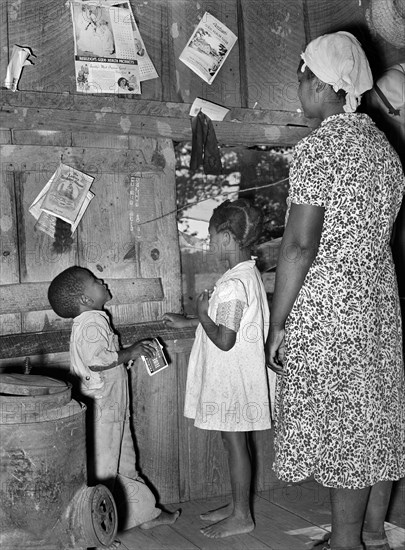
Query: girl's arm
x=176, y=320
x=298, y=250
x=224, y=338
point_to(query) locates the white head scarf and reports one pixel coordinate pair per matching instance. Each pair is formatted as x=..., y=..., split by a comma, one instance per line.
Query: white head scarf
x=339, y=60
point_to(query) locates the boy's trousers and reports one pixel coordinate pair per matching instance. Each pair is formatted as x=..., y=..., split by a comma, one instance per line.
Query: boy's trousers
x=111, y=454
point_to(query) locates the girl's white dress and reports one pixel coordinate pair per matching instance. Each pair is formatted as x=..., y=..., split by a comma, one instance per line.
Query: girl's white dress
x=229, y=390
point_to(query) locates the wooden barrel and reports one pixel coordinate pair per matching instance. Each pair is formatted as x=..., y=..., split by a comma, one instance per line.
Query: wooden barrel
x=44, y=499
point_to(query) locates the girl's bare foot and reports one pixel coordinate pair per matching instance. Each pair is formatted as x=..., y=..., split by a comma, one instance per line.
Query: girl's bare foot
x=229, y=526
x=164, y=518
x=218, y=514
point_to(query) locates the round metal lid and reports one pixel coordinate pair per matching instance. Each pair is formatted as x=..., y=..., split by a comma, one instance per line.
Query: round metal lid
x=30, y=384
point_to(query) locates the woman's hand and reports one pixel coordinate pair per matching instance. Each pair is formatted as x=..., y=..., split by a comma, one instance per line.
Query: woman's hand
x=275, y=350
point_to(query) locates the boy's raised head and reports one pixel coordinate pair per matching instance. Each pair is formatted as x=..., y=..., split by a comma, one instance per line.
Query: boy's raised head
x=239, y=217
x=76, y=290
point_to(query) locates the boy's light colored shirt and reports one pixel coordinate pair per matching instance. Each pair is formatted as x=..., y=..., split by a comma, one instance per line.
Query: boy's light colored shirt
x=92, y=343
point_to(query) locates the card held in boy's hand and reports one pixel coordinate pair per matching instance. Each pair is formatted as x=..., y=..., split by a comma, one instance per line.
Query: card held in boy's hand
x=158, y=362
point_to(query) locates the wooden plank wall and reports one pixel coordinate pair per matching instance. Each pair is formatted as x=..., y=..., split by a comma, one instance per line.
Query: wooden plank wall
x=249, y=76
x=260, y=70
x=107, y=241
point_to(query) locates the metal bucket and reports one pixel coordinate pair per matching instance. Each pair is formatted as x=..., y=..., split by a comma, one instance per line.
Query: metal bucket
x=44, y=500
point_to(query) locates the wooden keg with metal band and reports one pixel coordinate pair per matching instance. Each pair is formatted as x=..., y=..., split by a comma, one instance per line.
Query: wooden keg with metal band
x=44, y=499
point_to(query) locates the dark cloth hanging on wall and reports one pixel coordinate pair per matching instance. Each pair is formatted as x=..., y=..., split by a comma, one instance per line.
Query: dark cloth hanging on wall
x=204, y=147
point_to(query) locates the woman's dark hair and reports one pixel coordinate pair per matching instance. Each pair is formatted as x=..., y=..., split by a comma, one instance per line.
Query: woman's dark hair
x=239, y=217
x=310, y=75
x=65, y=290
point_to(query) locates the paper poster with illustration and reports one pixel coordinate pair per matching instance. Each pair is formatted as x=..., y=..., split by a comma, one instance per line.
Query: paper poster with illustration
x=110, y=56
x=208, y=47
x=66, y=193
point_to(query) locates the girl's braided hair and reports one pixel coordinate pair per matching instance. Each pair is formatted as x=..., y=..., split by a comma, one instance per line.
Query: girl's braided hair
x=239, y=217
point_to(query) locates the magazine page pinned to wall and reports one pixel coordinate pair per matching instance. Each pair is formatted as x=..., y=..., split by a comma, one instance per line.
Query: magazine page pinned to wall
x=66, y=193
x=66, y=196
x=208, y=47
x=110, y=56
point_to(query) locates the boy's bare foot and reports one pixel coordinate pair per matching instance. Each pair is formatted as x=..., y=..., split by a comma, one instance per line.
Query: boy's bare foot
x=164, y=518
x=229, y=526
x=218, y=514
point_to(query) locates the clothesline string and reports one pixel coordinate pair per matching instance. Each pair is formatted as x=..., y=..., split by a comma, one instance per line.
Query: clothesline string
x=208, y=198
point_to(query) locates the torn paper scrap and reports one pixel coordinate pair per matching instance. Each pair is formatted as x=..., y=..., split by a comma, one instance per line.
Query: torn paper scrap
x=212, y=110
x=19, y=59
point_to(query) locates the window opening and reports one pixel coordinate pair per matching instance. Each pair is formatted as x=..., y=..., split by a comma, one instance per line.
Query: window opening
x=257, y=173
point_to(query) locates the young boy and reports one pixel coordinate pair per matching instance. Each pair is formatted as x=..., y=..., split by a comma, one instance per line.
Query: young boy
x=95, y=358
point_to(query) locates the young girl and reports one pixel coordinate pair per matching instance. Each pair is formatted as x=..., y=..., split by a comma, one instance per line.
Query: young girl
x=227, y=382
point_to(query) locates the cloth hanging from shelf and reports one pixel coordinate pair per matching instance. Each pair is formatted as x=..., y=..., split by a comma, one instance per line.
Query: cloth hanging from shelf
x=204, y=147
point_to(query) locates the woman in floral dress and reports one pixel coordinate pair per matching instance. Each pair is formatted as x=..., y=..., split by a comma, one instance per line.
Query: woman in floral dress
x=335, y=335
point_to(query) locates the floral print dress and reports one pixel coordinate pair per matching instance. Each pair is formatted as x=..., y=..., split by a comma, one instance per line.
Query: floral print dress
x=340, y=409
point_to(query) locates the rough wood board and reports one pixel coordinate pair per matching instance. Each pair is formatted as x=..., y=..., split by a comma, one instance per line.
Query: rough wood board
x=42, y=137
x=96, y=161
x=284, y=530
x=151, y=126
x=166, y=109
x=57, y=364
x=9, y=263
x=57, y=341
x=276, y=28
x=104, y=141
x=38, y=260
x=42, y=321
x=105, y=238
x=4, y=49
x=9, y=269
x=159, y=252
x=33, y=296
x=181, y=360
x=184, y=17
x=45, y=26
x=308, y=500
x=10, y=323
x=163, y=538
x=189, y=525
x=154, y=402
x=5, y=136
x=154, y=26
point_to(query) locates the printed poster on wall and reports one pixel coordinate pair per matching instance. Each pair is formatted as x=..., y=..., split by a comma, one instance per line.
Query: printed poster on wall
x=110, y=55
x=66, y=196
x=208, y=47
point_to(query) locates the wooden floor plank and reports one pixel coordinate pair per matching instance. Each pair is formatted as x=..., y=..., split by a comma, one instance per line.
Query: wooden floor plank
x=281, y=529
x=287, y=518
x=189, y=525
x=396, y=536
x=308, y=500
x=156, y=539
